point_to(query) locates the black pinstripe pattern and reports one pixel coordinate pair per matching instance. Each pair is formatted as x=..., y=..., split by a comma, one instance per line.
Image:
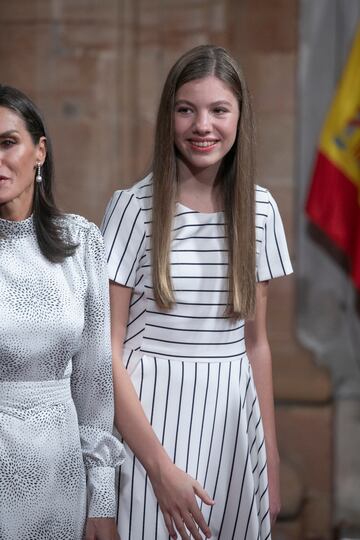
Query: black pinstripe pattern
x=189, y=363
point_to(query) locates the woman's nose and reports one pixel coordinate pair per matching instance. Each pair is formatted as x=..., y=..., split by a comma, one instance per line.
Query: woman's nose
x=202, y=123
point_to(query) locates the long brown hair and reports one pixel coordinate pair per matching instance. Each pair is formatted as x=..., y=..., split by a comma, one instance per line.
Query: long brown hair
x=235, y=180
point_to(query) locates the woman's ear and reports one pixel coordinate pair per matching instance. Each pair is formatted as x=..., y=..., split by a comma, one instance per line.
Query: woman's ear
x=41, y=150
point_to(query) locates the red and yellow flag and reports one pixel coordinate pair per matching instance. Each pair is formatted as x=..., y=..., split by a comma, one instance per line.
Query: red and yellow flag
x=334, y=199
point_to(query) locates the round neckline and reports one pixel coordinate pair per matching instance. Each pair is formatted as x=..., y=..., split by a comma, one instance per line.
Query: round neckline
x=219, y=213
x=4, y=220
x=24, y=226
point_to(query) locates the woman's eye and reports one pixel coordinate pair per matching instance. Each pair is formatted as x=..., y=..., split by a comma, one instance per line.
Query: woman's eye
x=184, y=110
x=220, y=110
x=6, y=143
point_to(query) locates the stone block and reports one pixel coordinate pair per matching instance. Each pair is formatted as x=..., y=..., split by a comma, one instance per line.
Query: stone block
x=291, y=529
x=19, y=54
x=275, y=158
x=292, y=492
x=305, y=435
x=271, y=79
x=263, y=26
x=297, y=380
x=22, y=10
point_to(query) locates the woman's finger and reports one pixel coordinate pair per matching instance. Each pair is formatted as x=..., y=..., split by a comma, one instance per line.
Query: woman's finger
x=179, y=524
x=195, y=510
x=192, y=527
x=200, y=521
x=204, y=496
x=273, y=517
x=169, y=525
x=89, y=535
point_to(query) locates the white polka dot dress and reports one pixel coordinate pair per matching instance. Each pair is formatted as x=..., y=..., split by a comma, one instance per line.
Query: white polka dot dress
x=56, y=402
x=189, y=365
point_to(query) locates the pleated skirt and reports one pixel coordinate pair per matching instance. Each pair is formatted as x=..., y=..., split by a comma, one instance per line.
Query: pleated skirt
x=207, y=416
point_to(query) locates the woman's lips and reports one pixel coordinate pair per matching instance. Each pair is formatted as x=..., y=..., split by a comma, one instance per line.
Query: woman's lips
x=202, y=146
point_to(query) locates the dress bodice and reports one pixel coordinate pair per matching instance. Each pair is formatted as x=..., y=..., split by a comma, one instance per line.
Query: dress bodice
x=197, y=326
x=41, y=303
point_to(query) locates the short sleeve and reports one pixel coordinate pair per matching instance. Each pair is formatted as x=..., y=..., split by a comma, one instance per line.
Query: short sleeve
x=123, y=230
x=272, y=258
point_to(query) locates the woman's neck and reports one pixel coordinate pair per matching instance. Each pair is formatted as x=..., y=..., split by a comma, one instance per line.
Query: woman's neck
x=197, y=188
x=15, y=210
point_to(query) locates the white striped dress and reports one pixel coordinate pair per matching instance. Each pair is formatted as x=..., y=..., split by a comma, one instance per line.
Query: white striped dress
x=189, y=365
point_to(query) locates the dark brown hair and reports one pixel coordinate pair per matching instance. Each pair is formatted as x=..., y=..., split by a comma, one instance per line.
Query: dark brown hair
x=50, y=229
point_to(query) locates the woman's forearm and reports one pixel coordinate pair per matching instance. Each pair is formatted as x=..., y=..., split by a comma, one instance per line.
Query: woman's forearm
x=132, y=423
x=130, y=419
x=260, y=359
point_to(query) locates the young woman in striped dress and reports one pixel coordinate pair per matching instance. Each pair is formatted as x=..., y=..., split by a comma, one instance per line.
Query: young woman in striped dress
x=191, y=249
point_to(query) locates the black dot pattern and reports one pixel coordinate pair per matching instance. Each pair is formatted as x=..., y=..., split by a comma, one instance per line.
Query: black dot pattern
x=57, y=453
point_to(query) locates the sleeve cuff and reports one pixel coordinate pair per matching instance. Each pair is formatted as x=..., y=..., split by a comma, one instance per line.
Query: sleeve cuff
x=101, y=492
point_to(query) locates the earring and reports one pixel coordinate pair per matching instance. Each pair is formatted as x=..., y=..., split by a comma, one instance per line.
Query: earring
x=38, y=176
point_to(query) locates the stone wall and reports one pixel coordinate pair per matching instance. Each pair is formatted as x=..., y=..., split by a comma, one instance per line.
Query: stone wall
x=96, y=70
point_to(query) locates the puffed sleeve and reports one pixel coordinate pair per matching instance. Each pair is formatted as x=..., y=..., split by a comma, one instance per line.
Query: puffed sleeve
x=124, y=234
x=91, y=384
x=272, y=259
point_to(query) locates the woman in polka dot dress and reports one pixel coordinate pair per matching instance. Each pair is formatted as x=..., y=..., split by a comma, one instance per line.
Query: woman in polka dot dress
x=57, y=453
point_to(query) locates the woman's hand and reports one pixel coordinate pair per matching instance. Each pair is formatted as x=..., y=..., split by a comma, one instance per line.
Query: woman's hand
x=101, y=529
x=274, y=486
x=175, y=491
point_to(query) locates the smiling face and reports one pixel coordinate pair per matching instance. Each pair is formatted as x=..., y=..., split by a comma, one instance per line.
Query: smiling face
x=18, y=158
x=205, y=122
